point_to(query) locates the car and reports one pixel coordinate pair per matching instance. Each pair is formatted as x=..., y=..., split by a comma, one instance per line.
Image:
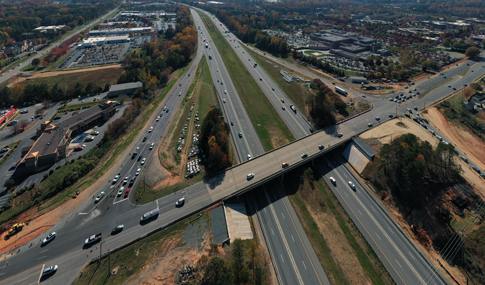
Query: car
x=370, y=125
x=225, y=91
x=304, y=155
x=391, y=116
x=117, y=229
x=282, y=100
x=352, y=185
x=334, y=182
x=249, y=59
x=144, y=139
x=143, y=161
x=126, y=180
x=249, y=156
x=321, y=146
x=24, y=111
x=240, y=134
x=180, y=84
x=311, y=130
x=223, y=100
x=100, y=196
x=120, y=192
x=272, y=88
x=138, y=172
x=180, y=94
x=89, y=139
x=285, y=164
x=139, y=157
x=151, y=146
x=232, y=123
x=339, y=135
x=180, y=202
x=94, y=133
x=127, y=192
x=283, y=107
x=49, y=270
x=454, y=88
x=465, y=85
x=391, y=99
x=260, y=79
x=222, y=83
x=49, y=238
x=415, y=108
x=167, y=110
x=116, y=179
x=250, y=176
x=150, y=130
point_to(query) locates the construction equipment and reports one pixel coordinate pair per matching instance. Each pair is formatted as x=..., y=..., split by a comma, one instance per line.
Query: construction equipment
x=16, y=228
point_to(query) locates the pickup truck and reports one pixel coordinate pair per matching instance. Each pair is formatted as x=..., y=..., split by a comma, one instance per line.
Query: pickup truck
x=93, y=238
x=292, y=107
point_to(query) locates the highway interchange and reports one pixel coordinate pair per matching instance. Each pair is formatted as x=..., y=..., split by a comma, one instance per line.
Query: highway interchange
x=404, y=262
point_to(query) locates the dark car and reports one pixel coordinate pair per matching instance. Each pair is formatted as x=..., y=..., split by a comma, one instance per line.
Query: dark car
x=144, y=139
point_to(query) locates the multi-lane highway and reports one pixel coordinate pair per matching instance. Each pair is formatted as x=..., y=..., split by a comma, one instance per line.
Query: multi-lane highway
x=398, y=254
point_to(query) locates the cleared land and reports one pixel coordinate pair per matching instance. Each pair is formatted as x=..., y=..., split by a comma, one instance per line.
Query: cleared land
x=268, y=124
x=344, y=254
x=98, y=75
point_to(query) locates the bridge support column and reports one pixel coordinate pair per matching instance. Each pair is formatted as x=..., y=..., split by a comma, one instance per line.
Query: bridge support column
x=281, y=178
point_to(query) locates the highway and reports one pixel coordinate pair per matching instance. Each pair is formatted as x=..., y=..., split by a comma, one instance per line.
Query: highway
x=66, y=250
x=229, y=99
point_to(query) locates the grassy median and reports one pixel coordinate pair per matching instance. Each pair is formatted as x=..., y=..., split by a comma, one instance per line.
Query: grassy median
x=271, y=129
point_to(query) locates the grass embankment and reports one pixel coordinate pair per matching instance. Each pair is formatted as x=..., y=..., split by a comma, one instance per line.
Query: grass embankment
x=268, y=124
x=334, y=237
x=205, y=98
x=101, y=76
x=132, y=259
x=464, y=72
x=296, y=91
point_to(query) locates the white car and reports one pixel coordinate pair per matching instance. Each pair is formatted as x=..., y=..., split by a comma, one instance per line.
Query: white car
x=116, y=178
x=100, y=196
x=150, y=130
x=120, y=192
x=334, y=182
x=138, y=171
x=223, y=100
x=158, y=119
x=49, y=238
x=49, y=270
x=225, y=91
x=180, y=202
x=352, y=185
x=151, y=146
x=126, y=180
x=143, y=161
x=250, y=176
x=249, y=157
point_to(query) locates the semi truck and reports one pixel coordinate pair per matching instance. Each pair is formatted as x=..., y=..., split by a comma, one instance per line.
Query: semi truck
x=93, y=238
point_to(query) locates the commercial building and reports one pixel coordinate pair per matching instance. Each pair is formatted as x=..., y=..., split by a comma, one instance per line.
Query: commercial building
x=120, y=31
x=53, y=140
x=358, y=79
x=124, y=89
x=99, y=41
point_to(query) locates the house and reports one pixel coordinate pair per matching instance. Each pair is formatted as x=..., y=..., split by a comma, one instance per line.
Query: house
x=476, y=103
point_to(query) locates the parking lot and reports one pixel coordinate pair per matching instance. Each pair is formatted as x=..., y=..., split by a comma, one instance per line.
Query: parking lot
x=107, y=53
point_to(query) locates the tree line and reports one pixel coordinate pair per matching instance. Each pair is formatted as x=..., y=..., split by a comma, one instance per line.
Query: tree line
x=410, y=169
x=214, y=140
x=324, y=105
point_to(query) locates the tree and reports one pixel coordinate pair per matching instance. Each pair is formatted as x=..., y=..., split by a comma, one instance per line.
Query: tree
x=472, y=52
x=35, y=61
x=447, y=43
x=216, y=273
x=385, y=62
x=238, y=262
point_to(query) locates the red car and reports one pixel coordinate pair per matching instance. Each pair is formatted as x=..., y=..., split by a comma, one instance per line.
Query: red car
x=127, y=192
x=180, y=84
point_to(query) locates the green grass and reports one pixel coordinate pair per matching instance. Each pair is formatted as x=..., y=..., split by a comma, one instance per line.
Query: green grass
x=296, y=91
x=207, y=94
x=429, y=90
x=102, y=76
x=464, y=72
x=265, y=119
x=132, y=259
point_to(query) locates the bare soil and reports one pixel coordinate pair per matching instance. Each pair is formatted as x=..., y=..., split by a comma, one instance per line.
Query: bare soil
x=55, y=73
